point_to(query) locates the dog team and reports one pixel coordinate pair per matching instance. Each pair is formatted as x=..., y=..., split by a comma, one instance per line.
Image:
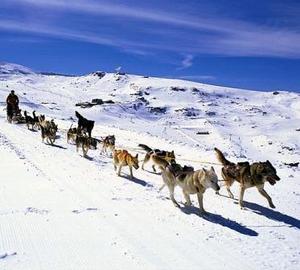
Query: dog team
x=173, y=174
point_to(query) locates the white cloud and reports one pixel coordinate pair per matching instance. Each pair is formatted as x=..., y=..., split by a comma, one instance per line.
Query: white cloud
x=228, y=37
x=186, y=62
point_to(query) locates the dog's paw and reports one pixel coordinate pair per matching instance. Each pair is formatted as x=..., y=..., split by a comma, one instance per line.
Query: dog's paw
x=176, y=204
x=272, y=206
x=188, y=204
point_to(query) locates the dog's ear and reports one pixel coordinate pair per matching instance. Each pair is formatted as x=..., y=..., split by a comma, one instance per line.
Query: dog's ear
x=212, y=168
x=137, y=155
x=204, y=170
x=268, y=162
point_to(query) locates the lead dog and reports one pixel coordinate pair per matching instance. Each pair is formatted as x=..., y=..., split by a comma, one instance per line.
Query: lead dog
x=190, y=181
x=248, y=175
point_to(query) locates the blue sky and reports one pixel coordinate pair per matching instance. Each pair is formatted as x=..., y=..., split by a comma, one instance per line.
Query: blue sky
x=247, y=43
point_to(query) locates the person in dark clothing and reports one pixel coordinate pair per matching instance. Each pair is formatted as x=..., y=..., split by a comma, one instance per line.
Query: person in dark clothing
x=12, y=102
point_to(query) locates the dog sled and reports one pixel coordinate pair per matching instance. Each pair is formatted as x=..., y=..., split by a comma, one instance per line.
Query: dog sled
x=15, y=116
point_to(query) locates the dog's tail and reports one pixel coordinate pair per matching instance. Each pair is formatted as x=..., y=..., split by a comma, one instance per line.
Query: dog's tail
x=145, y=147
x=222, y=158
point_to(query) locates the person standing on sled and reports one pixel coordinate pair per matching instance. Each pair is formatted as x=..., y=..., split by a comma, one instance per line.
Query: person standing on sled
x=12, y=102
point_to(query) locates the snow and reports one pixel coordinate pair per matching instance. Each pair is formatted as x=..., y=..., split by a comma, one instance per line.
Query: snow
x=59, y=210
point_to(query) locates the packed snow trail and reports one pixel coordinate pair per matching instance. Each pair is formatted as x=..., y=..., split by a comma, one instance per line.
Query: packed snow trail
x=62, y=211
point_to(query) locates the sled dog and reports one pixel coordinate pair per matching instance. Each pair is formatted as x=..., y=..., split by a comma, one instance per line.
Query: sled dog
x=108, y=142
x=152, y=154
x=29, y=121
x=71, y=134
x=48, y=132
x=122, y=158
x=85, y=124
x=190, y=181
x=248, y=175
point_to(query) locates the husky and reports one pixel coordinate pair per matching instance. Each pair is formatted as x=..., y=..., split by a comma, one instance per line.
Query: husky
x=108, y=142
x=85, y=124
x=123, y=158
x=29, y=120
x=83, y=141
x=94, y=143
x=190, y=181
x=41, y=118
x=46, y=124
x=48, y=132
x=248, y=175
x=152, y=154
x=72, y=134
x=36, y=120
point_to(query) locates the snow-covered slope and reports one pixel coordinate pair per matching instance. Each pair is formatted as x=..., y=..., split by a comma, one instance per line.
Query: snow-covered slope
x=59, y=210
x=10, y=69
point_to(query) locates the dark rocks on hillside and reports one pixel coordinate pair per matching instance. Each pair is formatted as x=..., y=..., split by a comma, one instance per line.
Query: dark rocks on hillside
x=291, y=149
x=197, y=91
x=211, y=113
x=95, y=101
x=276, y=93
x=138, y=93
x=254, y=110
x=145, y=101
x=84, y=104
x=99, y=74
x=109, y=101
x=137, y=106
x=202, y=133
x=177, y=89
x=158, y=110
x=189, y=112
x=295, y=164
